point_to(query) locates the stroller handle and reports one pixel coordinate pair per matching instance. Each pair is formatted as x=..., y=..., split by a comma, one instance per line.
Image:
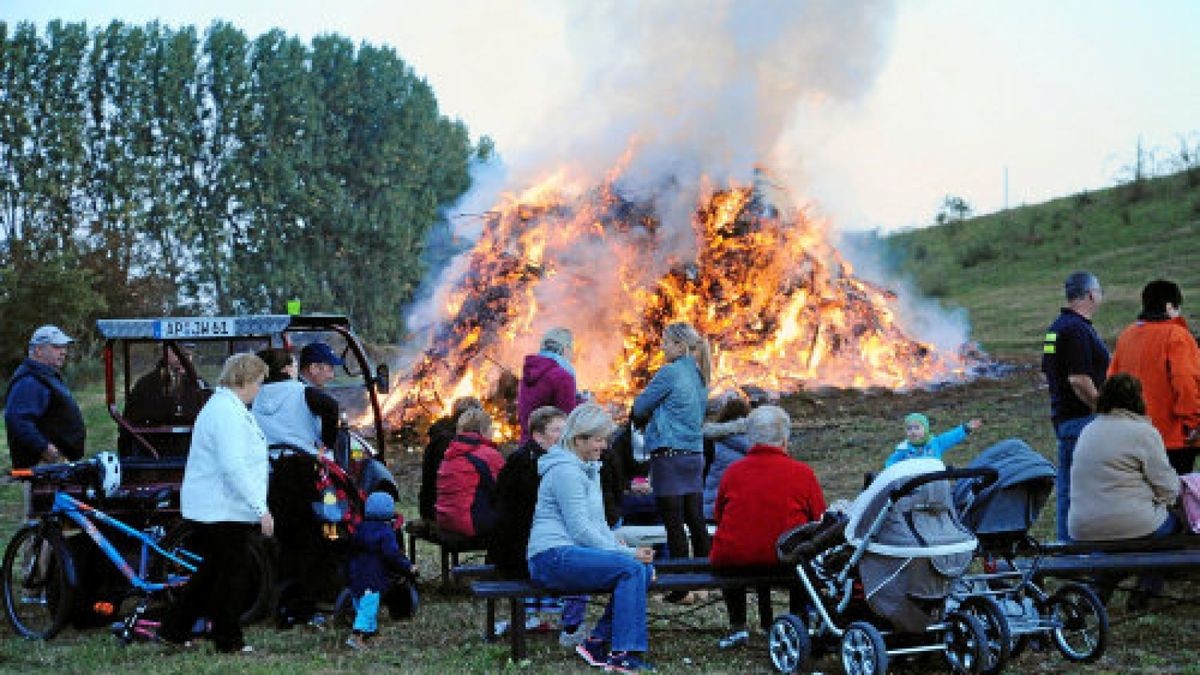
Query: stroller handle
x=988, y=474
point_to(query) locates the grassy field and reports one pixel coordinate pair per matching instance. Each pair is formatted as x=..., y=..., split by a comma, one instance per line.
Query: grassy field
x=1011, y=293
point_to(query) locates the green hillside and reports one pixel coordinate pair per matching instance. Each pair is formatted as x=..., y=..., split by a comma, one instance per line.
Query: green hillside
x=1007, y=268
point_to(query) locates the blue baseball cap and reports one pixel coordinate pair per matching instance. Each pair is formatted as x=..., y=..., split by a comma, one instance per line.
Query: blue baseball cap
x=318, y=352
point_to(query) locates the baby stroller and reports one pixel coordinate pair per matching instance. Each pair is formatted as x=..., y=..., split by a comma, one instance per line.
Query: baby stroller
x=878, y=577
x=317, y=507
x=1013, y=608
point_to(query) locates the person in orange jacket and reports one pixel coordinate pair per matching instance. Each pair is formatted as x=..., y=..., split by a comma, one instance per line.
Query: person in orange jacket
x=1160, y=350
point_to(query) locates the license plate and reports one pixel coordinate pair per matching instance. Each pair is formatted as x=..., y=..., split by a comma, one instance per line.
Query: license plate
x=215, y=326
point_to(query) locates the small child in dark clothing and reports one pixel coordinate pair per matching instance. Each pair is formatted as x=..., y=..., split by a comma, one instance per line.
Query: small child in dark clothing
x=376, y=551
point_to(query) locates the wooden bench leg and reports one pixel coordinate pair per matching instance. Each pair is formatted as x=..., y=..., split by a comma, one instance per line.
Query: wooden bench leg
x=445, y=566
x=412, y=548
x=766, y=614
x=516, y=618
x=489, y=630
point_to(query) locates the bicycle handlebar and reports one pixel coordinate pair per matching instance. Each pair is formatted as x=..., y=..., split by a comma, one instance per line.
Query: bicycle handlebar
x=58, y=473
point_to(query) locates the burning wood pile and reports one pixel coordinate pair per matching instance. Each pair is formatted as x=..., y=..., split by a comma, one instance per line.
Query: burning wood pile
x=781, y=307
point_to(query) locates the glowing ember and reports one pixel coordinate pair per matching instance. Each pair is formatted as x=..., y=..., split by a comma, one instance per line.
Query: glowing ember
x=779, y=304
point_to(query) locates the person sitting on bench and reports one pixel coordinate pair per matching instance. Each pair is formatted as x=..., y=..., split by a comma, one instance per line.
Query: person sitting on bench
x=1122, y=483
x=571, y=547
x=760, y=497
x=466, y=481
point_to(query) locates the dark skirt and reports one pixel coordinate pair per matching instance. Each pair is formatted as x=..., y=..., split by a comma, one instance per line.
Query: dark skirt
x=673, y=475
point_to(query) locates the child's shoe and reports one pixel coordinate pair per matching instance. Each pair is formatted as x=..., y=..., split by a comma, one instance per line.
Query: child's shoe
x=357, y=642
x=627, y=662
x=738, y=638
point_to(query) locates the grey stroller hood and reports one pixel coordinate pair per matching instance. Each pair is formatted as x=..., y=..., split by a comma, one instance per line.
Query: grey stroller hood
x=1011, y=504
x=920, y=547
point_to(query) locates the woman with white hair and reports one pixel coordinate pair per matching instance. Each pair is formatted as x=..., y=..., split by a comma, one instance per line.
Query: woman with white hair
x=672, y=409
x=571, y=547
x=761, y=496
x=224, y=495
x=547, y=378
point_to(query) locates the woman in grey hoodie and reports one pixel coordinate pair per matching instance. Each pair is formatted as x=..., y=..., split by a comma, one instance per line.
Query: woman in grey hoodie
x=572, y=549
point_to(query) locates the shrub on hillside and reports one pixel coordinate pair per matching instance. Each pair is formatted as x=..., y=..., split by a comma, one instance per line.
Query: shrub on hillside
x=978, y=253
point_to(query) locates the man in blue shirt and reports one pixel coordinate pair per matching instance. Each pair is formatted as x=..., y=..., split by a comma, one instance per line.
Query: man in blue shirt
x=43, y=421
x=1074, y=361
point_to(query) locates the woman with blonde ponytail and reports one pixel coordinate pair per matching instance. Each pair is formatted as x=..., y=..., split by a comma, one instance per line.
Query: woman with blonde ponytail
x=671, y=410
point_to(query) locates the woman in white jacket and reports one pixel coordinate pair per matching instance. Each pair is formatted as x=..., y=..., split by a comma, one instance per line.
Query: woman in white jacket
x=224, y=495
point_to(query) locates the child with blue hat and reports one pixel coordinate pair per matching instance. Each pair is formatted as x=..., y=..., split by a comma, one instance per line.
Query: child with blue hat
x=376, y=552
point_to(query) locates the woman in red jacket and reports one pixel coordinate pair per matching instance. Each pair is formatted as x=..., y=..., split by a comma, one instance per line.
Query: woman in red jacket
x=760, y=497
x=466, y=480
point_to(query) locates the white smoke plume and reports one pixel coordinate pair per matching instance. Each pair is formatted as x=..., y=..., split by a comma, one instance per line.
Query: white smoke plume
x=697, y=89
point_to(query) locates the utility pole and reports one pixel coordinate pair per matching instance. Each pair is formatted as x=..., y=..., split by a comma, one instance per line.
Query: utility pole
x=1005, y=187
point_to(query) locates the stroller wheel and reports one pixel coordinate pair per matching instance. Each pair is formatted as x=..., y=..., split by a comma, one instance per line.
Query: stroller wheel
x=863, y=651
x=789, y=643
x=995, y=626
x=966, y=643
x=1080, y=623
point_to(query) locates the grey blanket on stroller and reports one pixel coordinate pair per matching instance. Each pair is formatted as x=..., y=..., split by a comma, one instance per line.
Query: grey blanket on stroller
x=920, y=546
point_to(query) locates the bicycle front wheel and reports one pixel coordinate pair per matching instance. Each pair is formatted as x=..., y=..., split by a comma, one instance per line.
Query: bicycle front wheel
x=39, y=590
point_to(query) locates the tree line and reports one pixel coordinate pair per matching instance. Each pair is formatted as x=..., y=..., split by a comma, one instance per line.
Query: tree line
x=149, y=170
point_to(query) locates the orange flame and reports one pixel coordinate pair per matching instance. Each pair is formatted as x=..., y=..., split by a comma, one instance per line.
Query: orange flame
x=778, y=303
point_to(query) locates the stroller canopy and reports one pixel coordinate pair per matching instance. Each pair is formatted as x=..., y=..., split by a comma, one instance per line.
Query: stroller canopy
x=914, y=548
x=902, y=534
x=1010, y=505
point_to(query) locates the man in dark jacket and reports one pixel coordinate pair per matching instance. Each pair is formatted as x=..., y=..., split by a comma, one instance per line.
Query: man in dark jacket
x=167, y=395
x=1074, y=361
x=517, y=488
x=43, y=421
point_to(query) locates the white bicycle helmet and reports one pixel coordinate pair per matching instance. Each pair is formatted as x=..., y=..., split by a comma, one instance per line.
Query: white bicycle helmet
x=109, y=467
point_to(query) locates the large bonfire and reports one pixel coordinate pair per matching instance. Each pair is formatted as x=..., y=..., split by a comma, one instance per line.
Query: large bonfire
x=780, y=306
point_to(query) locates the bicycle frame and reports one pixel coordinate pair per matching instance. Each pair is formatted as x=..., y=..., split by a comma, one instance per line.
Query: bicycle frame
x=83, y=514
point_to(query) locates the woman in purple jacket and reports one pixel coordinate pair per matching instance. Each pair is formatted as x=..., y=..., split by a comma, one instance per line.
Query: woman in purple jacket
x=547, y=378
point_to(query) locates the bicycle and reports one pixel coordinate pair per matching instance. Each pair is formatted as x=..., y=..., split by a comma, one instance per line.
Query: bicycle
x=40, y=579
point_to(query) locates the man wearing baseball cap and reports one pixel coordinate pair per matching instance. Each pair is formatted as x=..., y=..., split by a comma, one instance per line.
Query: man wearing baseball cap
x=317, y=362
x=43, y=421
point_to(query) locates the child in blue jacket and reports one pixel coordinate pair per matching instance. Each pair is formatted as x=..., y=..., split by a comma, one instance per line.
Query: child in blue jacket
x=376, y=552
x=918, y=443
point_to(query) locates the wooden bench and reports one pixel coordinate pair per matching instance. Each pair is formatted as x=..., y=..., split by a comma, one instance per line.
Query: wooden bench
x=450, y=546
x=1180, y=553
x=687, y=574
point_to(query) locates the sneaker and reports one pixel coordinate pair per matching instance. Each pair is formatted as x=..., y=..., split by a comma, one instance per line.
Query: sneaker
x=572, y=639
x=595, y=652
x=318, y=622
x=356, y=642
x=739, y=638
x=500, y=628
x=626, y=662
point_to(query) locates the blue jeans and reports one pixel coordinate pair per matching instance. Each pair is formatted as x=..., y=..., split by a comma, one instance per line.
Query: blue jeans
x=569, y=568
x=1067, y=432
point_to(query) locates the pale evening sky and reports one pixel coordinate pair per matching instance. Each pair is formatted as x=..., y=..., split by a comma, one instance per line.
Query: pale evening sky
x=949, y=94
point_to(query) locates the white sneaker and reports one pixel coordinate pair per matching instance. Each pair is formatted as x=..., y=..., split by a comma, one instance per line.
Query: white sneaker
x=500, y=628
x=572, y=640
